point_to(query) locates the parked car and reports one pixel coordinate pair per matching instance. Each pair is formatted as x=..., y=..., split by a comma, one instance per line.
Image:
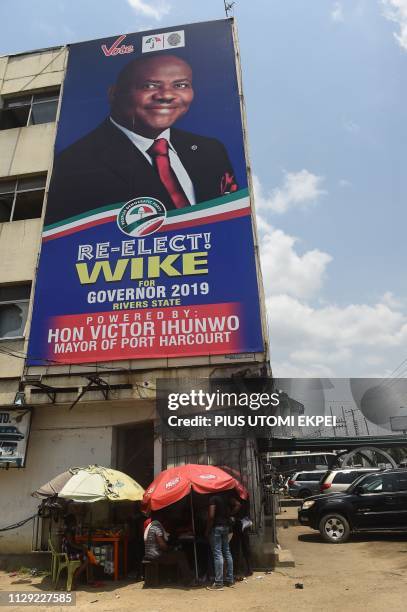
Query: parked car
x=374, y=502
x=336, y=481
x=304, y=484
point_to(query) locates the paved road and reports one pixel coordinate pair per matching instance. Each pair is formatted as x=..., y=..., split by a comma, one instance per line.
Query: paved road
x=369, y=571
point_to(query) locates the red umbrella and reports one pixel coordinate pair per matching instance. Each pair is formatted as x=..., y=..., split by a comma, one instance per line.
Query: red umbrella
x=240, y=488
x=175, y=483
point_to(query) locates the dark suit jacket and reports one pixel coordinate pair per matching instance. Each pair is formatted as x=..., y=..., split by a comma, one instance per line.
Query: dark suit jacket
x=104, y=167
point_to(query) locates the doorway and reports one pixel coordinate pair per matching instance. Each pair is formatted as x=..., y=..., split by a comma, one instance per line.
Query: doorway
x=135, y=451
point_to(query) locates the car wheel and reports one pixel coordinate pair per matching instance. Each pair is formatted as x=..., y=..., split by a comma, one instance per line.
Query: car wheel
x=334, y=528
x=305, y=493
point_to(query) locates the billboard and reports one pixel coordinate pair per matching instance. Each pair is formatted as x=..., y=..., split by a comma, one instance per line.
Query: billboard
x=14, y=434
x=147, y=249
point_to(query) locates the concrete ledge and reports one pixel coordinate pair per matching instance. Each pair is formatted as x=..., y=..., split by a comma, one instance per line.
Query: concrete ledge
x=276, y=557
x=284, y=558
x=287, y=502
x=287, y=517
x=39, y=560
x=284, y=522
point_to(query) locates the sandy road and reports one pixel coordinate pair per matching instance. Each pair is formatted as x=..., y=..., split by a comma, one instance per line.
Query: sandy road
x=368, y=572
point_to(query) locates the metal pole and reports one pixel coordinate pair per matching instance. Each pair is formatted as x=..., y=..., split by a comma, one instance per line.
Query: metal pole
x=193, y=531
x=332, y=415
x=228, y=7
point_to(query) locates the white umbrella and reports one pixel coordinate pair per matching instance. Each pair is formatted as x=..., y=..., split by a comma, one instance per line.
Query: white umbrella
x=91, y=484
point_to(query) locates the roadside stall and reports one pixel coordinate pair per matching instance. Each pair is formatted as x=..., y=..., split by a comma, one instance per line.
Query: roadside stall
x=183, y=492
x=100, y=502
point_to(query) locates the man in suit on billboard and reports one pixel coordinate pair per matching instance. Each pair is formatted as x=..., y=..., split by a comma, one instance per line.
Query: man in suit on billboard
x=136, y=152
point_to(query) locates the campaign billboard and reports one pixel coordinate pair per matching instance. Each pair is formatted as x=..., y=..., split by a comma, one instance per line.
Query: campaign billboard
x=147, y=248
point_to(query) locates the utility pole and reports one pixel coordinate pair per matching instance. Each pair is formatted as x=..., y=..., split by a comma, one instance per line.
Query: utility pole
x=355, y=423
x=228, y=7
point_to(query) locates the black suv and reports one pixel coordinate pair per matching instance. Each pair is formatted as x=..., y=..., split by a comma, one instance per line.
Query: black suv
x=373, y=502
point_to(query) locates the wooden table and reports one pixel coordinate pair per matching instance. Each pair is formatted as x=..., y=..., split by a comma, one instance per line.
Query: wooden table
x=116, y=541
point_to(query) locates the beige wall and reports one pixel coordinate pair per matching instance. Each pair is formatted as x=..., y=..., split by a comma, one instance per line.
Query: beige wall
x=31, y=71
x=19, y=242
x=29, y=149
x=59, y=439
x=24, y=151
x=10, y=368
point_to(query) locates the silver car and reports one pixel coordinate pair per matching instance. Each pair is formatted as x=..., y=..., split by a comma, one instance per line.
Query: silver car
x=337, y=481
x=304, y=484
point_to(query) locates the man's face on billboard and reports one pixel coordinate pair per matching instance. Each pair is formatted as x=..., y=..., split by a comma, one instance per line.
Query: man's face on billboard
x=152, y=94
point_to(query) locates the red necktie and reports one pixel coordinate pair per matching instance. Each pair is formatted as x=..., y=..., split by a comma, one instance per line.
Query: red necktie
x=159, y=153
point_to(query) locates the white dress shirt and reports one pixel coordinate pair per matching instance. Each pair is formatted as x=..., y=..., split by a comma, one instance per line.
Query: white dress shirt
x=143, y=144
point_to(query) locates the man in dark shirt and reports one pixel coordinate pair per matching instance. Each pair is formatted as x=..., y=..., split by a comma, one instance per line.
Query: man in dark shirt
x=136, y=151
x=221, y=507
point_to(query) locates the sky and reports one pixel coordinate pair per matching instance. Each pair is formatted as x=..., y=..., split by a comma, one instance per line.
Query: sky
x=325, y=85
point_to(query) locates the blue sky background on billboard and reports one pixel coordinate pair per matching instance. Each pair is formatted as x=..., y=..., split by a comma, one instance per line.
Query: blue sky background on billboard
x=325, y=85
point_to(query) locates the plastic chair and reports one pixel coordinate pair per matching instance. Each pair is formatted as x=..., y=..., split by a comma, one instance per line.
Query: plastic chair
x=55, y=559
x=71, y=567
x=60, y=561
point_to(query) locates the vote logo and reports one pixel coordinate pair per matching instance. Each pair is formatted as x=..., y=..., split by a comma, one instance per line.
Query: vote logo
x=141, y=217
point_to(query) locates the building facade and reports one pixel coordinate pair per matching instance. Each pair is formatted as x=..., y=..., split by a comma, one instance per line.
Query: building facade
x=81, y=414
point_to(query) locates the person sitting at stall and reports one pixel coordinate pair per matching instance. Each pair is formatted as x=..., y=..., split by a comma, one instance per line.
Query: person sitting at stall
x=74, y=550
x=156, y=548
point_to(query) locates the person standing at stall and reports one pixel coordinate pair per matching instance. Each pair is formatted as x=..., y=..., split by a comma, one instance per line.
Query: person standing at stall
x=221, y=508
x=240, y=543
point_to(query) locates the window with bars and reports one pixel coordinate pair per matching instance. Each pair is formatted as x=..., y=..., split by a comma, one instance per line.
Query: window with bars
x=30, y=109
x=14, y=301
x=21, y=198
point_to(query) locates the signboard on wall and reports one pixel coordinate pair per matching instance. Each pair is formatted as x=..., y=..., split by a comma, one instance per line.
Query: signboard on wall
x=148, y=247
x=14, y=433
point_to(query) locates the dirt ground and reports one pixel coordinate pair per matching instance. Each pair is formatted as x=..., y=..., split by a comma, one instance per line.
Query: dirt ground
x=368, y=572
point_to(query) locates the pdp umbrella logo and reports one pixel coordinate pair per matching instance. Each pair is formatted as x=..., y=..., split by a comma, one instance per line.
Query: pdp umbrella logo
x=141, y=217
x=172, y=483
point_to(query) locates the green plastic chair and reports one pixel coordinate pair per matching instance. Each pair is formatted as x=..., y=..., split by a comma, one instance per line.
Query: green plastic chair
x=60, y=561
x=55, y=558
x=71, y=567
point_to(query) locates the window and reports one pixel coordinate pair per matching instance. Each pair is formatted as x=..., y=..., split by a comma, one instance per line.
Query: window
x=21, y=198
x=314, y=477
x=378, y=483
x=402, y=482
x=345, y=477
x=31, y=109
x=14, y=300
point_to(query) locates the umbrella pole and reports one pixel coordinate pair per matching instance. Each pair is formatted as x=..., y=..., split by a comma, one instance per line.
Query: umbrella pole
x=193, y=531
